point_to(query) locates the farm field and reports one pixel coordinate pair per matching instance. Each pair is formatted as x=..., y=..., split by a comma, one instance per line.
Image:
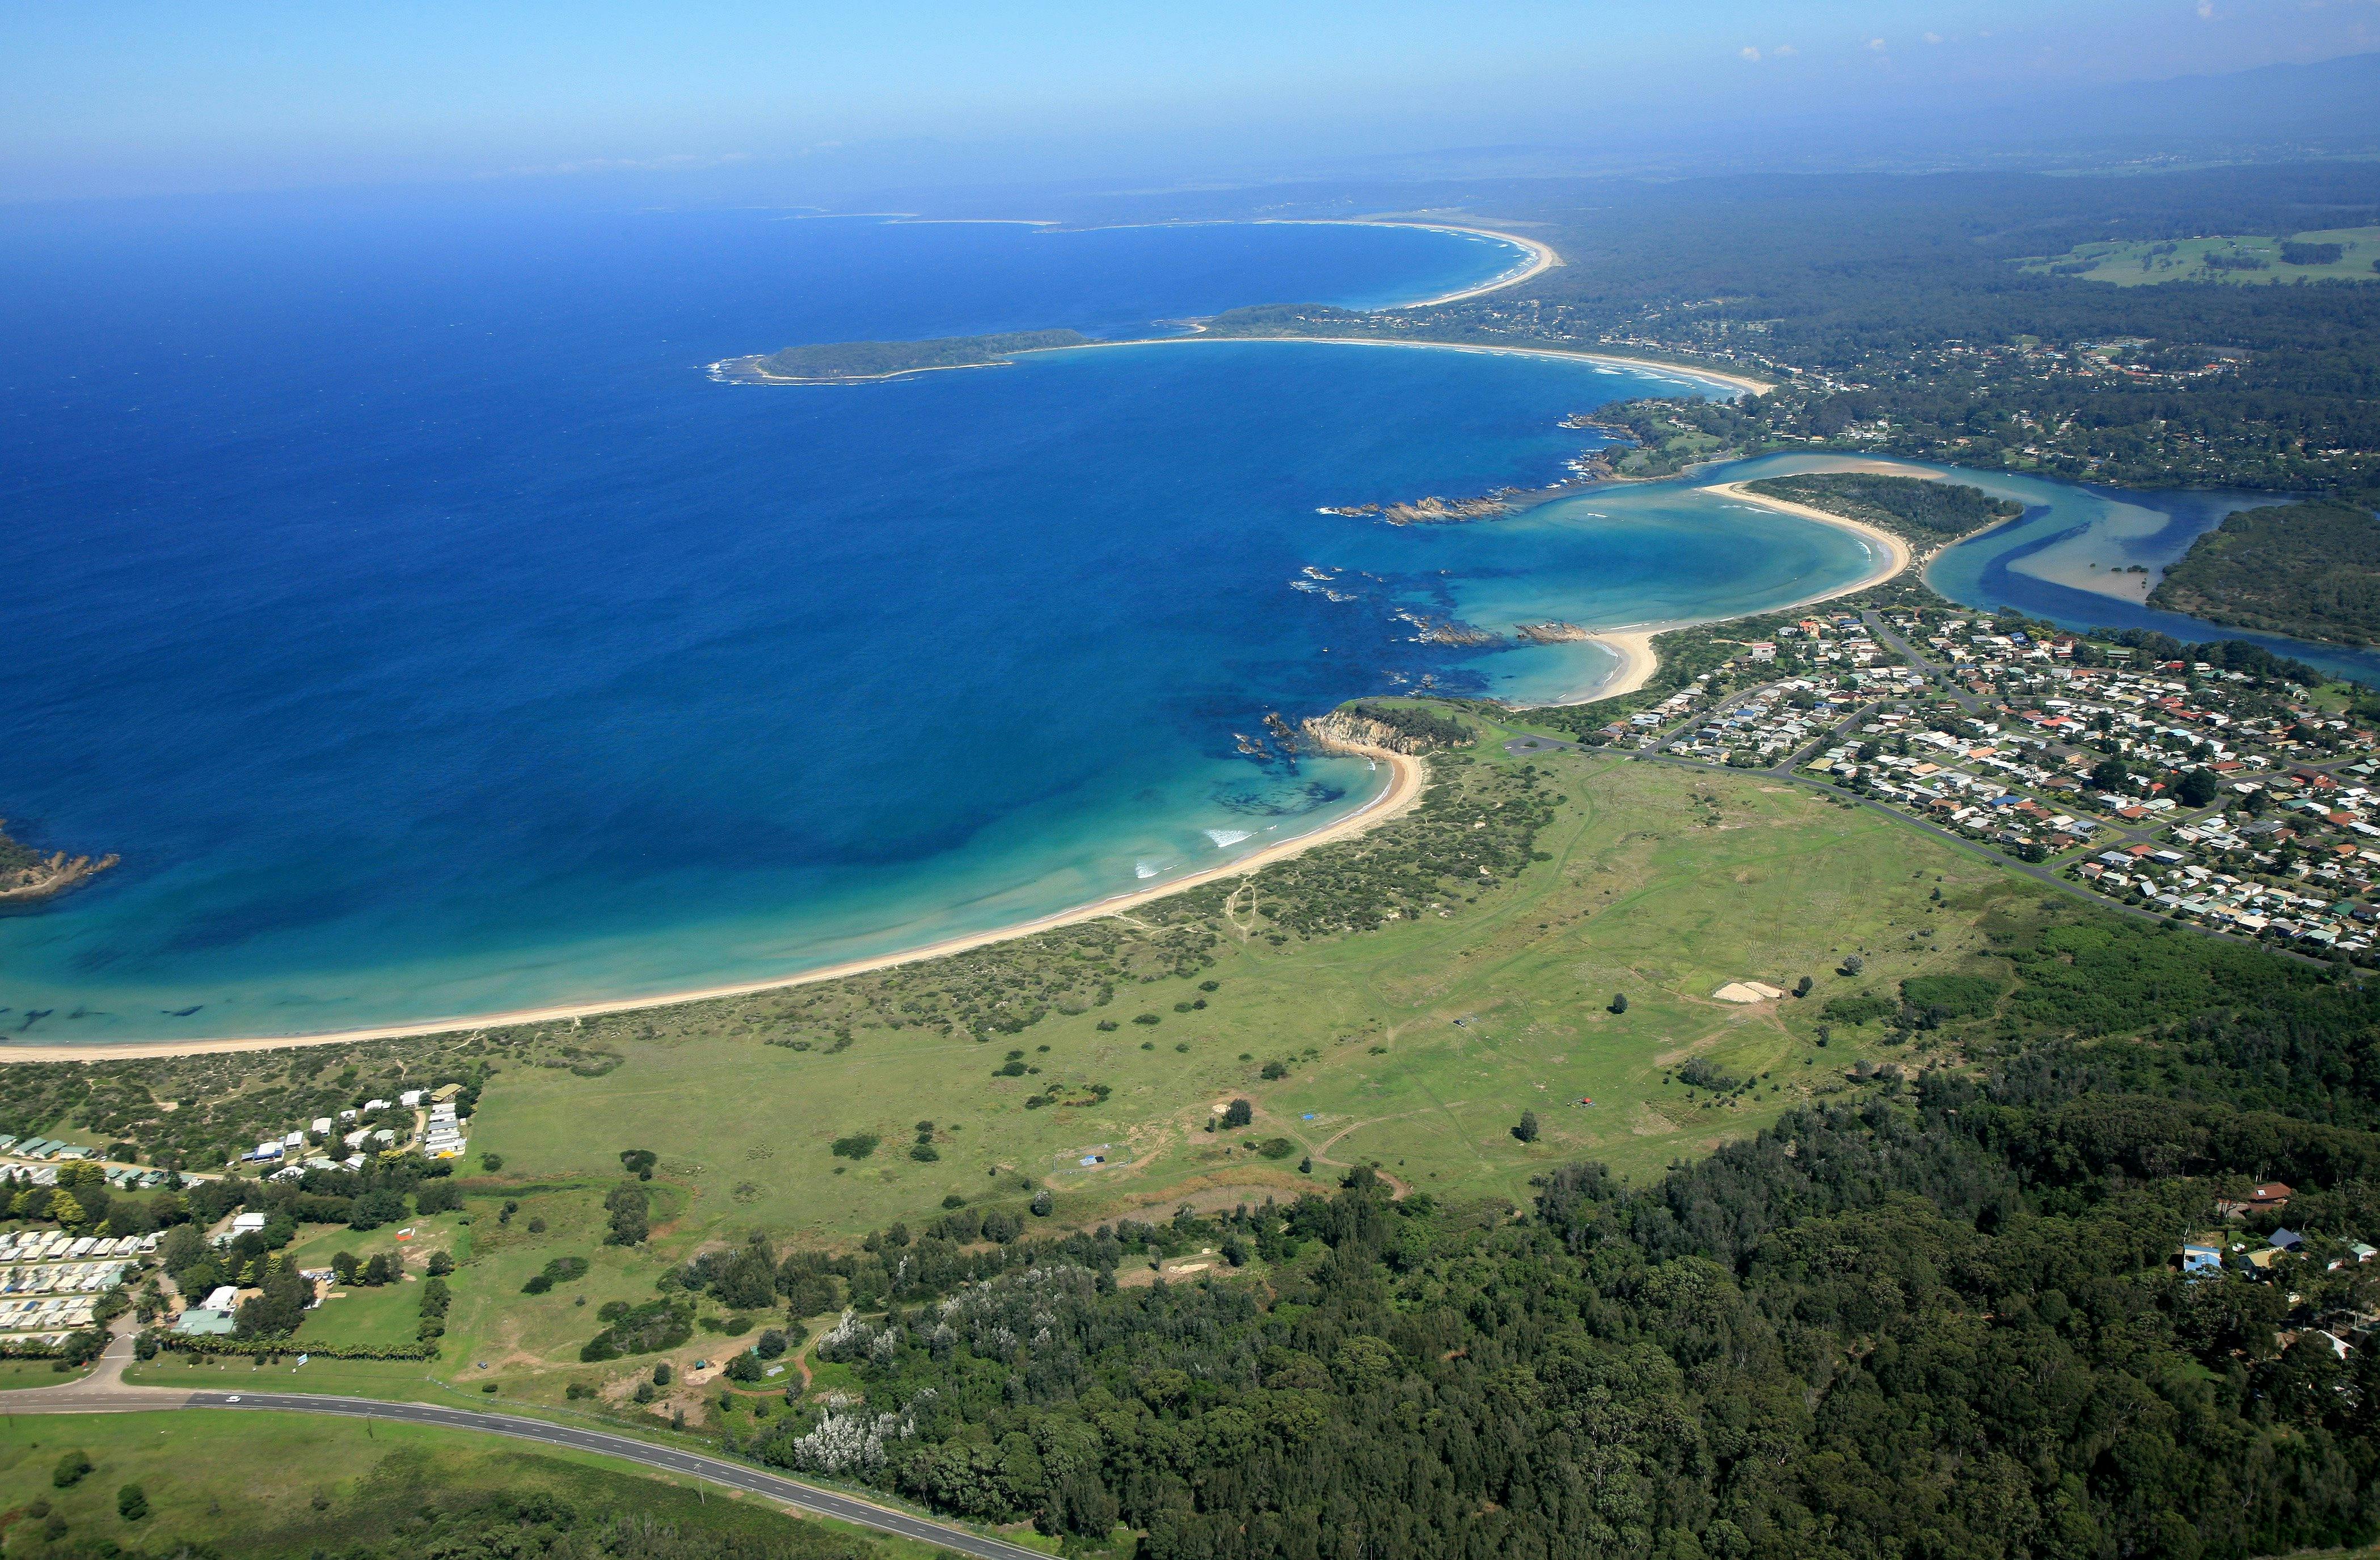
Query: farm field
x=2249, y=260
x=275, y=1484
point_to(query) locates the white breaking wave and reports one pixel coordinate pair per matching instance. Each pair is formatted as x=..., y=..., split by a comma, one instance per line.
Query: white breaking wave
x=1225, y=838
x=1147, y=868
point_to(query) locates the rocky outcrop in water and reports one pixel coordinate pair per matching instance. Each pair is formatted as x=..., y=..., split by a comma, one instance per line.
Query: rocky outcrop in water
x=1434, y=511
x=26, y=874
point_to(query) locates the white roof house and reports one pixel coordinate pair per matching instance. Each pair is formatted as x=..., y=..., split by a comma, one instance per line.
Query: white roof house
x=242, y=1224
x=224, y=1299
x=409, y=1099
x=375, y=1104
x=322, y=1126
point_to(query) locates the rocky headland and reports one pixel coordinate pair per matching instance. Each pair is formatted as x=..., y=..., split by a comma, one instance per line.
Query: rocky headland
x=26, y=874
x=1552, y=633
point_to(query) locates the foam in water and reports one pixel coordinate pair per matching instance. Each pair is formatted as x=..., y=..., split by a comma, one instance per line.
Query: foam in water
x=1225, y=838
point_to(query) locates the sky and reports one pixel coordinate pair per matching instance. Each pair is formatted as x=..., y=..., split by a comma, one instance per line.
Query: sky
x=155, y=96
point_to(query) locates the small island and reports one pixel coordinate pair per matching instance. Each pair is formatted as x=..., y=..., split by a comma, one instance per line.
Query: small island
x=1433, y=510
x=26, y=874
x=850, y=362
x=2310, y=569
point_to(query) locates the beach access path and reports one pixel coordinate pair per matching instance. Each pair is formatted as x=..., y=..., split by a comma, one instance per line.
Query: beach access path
x=1406, y=776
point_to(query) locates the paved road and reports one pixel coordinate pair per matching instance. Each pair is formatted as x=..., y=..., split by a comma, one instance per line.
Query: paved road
x=665, y=1459
x=103, y=1392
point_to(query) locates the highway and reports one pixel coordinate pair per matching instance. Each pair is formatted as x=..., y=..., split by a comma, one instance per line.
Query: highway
x=647, y=1454
x=104, y=1391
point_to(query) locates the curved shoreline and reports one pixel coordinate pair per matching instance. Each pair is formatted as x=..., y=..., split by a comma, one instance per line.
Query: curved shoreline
x=1537, y=256
x=1394, y=799
x=1540, y=259
x=1403, y=789
x=1634, y=642
x=1743, y=383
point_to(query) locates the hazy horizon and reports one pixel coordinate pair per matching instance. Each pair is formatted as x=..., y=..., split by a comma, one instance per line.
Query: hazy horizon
x=805, y=101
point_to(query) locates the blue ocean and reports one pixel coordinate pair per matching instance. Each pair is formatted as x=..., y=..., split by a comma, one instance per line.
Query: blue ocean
x=431, y=636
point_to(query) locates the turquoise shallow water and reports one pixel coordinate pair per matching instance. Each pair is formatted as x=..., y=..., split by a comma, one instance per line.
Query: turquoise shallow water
x=2075, y=536
x=432, y=637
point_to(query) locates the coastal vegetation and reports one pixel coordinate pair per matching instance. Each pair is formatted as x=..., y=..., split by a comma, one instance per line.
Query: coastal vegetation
x=1405, y=727
x=830, y=361
x=1916, y=509
x=2311, y=570
x=1770, y=1265
x=1211, y=1221
x=1668, y=435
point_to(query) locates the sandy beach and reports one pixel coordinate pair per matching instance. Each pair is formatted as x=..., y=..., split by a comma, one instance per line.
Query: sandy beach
x=1540, y=259
x=740, y=371
x=1634, y=644
x=1397, y=797
x=1713, y=376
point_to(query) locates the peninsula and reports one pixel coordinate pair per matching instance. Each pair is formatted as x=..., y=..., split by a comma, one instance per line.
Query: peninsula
x=851, y=361
x=2310, y=569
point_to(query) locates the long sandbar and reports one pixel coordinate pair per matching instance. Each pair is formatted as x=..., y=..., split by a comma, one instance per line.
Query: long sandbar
x=1744, y=383
x=1397, y=797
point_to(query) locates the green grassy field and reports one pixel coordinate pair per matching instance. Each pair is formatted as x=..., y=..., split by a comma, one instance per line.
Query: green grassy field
x=1415, y=1046
x=15, y=1373
x=274, y=1484
x=2145, y=264
x=1421, y=1042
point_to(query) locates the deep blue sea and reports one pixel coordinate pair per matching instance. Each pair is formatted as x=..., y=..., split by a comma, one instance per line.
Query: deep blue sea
x=393, y=589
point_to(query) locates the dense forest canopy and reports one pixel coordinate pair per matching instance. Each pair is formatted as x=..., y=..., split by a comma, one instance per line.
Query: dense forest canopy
x=2308, y=569
x=1942, y=1319
x=1926, y=512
